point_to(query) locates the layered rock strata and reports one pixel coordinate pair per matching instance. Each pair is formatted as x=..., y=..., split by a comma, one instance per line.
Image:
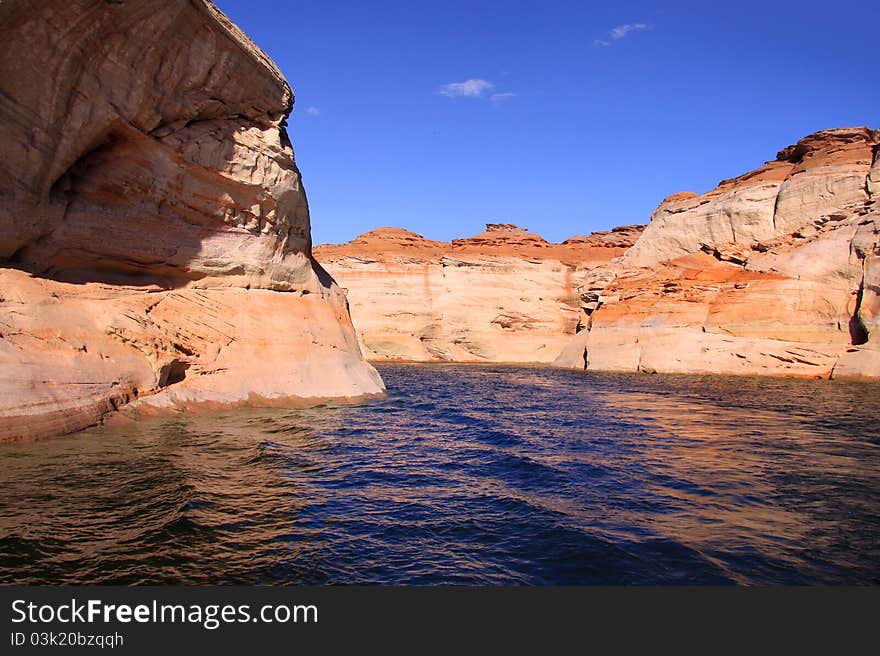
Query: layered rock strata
x=154, y=233
x=505, y=295
x=775, y=272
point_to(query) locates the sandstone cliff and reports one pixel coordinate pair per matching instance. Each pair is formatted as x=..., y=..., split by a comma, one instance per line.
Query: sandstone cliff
x=154, y=233
x=774, y=272
x=505, y=295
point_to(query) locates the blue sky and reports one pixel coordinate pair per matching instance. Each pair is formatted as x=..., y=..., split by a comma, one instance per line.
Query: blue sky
x=562, y=117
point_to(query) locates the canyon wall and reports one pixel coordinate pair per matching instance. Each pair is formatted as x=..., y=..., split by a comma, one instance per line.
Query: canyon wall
x=154, y=233
x=505, y=295
x=775, y=272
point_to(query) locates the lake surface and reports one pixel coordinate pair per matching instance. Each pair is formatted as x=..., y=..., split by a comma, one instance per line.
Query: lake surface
x=466, y=475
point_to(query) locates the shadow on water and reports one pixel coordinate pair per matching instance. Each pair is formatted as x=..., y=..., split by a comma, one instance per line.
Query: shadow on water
x=497, y=475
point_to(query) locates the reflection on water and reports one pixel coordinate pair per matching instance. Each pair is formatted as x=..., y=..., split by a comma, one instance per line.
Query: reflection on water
x=466, y=474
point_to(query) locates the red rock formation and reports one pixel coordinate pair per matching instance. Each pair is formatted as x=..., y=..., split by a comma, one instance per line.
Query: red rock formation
x=822, y=175
x=154, y=233
x=774, y=272
x=505, y=295
x=619, y=237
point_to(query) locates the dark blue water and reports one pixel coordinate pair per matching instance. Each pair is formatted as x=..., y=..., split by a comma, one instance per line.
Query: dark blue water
x=466, y=474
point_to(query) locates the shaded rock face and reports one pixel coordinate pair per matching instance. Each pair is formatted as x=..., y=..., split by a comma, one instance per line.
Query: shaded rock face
x=505, y=295
x=774, y=272
x=154, y=233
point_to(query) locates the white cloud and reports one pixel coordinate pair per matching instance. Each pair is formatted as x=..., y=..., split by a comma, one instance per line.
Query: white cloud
x=314, y=111
x=473, y=88
x=501, y=97
x=622, y=30
x=619, y=32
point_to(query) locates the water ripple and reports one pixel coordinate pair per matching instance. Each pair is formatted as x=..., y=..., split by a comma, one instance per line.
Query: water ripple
x=466, y=475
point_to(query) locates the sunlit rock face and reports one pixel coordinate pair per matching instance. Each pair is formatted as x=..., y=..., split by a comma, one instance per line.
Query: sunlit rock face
x=505, y=295
x=154, y=233
x=774, y=272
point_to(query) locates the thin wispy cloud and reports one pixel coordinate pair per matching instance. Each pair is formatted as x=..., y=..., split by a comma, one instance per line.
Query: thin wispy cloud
x=312, y=110
x=473, y=88
x=620, y=32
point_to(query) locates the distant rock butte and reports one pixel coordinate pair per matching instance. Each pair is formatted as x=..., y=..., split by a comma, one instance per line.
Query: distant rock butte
x=774, y=272
x=505, y=295
x=154, y=234
x=499, y=240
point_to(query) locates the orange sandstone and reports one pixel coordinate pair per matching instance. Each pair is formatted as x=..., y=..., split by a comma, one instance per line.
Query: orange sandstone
x=505, y=295
x=154, y=234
